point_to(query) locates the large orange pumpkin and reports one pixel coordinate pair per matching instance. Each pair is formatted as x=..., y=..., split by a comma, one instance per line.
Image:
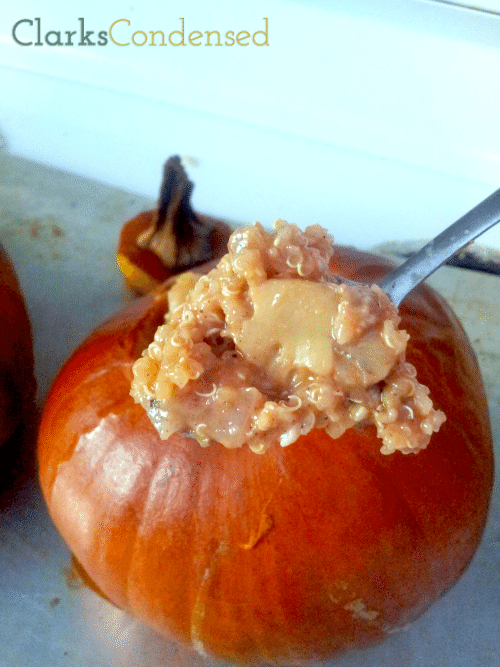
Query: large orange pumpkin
x=17, y=382
x=284, y=558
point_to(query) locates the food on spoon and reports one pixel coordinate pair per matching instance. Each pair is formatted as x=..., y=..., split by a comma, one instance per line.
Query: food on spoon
x=306, y=550
x=160, y=243
x=270, y=344
x=17, y=382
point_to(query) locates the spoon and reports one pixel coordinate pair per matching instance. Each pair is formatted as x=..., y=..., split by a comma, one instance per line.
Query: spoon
x=398, y=283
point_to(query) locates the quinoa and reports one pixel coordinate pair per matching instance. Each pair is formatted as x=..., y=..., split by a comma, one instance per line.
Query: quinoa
x=270, y=344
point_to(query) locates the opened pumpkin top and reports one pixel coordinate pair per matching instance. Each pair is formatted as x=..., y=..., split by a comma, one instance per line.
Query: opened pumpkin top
x=271, y=344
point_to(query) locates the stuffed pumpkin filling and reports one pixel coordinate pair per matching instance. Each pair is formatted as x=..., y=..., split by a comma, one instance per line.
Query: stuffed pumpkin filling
x=270, y=344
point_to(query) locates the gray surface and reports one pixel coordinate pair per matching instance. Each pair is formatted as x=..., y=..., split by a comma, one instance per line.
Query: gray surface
x=61, y=233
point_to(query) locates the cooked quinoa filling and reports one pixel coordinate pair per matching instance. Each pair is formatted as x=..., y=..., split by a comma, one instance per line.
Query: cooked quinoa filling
x=271, y=344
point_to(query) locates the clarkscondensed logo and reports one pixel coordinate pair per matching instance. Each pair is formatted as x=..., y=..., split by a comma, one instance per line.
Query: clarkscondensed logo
x=32, y=32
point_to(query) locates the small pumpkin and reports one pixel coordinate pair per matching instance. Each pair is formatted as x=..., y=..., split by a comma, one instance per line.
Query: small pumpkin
x=285, y=558
x=17, y=382
x=162, y=242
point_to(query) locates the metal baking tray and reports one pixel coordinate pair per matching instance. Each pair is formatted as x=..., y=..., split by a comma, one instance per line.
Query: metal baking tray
x=61, y=232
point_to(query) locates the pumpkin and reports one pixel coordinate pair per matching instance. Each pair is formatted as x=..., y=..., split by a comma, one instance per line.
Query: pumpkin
x=285, y=558
x=17, y=382
x=162, y=242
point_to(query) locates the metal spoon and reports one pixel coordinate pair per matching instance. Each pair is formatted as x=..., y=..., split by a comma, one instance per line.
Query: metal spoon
x=423, y=263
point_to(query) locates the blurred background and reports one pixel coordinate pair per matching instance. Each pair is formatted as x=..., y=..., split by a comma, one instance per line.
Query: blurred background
x=377, y=120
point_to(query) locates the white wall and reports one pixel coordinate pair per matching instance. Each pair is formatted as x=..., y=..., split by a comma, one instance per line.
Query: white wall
x=378, y=120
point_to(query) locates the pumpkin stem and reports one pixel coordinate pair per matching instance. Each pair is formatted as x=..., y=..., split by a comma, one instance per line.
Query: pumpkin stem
x=177, y=235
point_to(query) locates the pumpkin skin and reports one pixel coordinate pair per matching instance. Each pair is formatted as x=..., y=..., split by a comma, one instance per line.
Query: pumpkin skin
x=285, y=558
x=183, y=238
x=142, y=269
x=17, y=382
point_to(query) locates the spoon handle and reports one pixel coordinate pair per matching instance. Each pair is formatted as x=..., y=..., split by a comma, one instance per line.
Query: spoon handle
x=419, y=266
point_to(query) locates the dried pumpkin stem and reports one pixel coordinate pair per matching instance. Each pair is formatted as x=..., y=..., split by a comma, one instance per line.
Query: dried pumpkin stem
x=177, y=235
